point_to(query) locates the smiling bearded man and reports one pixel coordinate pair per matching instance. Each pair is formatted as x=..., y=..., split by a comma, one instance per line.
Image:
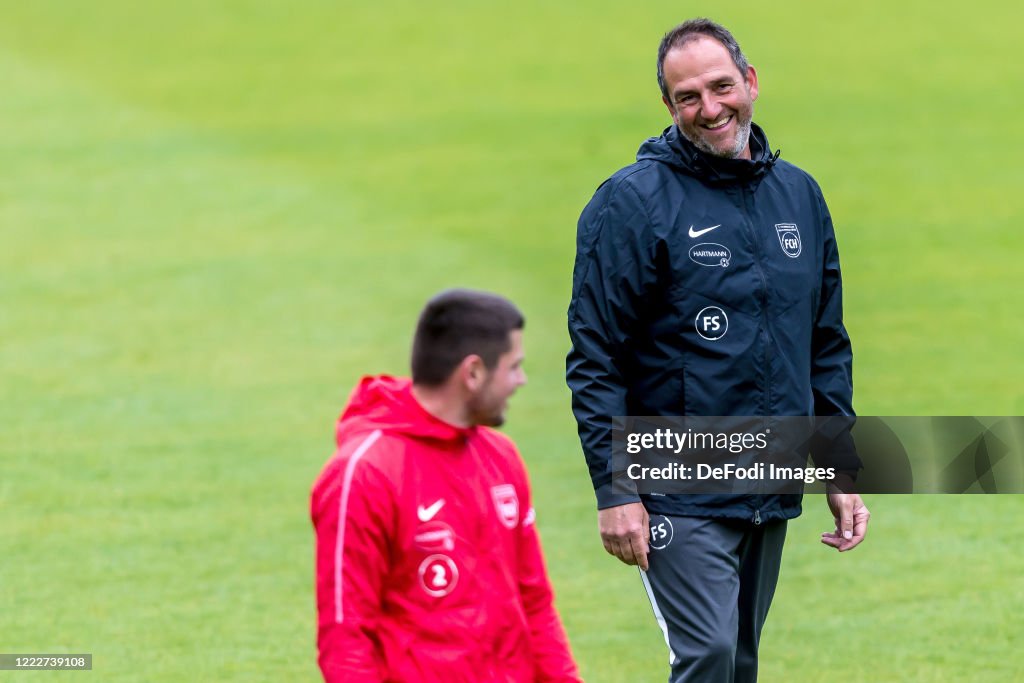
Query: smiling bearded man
x=707, y=283
x=711, y=99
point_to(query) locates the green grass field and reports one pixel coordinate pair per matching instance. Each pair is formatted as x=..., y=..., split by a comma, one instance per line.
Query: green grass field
x=214, y=217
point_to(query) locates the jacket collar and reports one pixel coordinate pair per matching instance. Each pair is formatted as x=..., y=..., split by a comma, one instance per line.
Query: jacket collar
x=673, y=149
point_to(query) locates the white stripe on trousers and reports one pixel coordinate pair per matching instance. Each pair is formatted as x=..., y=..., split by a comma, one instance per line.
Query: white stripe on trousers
x=658, y=616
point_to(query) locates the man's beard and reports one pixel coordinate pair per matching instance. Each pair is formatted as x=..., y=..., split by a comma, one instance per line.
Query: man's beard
x=483, y=413
x=739, y=142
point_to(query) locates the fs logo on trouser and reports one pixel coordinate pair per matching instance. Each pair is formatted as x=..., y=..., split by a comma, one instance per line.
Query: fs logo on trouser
x=711, y=583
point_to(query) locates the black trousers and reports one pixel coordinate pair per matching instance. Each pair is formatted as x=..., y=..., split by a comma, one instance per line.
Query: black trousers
x=711, y=583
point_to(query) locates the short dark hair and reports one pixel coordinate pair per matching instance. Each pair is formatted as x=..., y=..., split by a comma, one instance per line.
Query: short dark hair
x=457, y=323
x=691, y=30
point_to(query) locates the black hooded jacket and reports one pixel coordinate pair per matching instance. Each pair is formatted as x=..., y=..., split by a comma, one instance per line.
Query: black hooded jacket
x=705, y=286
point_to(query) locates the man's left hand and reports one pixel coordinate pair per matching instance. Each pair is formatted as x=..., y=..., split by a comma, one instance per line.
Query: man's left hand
x=851, y=517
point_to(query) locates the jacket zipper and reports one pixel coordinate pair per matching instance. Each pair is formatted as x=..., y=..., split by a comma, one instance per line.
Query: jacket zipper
x=748, y=200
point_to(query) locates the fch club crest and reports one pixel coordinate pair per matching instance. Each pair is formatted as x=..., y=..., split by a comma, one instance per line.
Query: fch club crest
x=789, y=238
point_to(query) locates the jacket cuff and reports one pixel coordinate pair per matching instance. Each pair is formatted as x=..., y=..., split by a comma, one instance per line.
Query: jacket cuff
x=609, y=496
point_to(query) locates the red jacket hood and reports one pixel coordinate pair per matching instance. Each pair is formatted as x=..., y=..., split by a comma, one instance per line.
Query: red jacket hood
x=386, y=403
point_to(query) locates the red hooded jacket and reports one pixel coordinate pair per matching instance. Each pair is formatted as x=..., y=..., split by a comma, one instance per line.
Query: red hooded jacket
x=429, y=566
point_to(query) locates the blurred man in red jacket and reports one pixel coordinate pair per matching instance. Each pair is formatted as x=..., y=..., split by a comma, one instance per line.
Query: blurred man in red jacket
x=429, y=567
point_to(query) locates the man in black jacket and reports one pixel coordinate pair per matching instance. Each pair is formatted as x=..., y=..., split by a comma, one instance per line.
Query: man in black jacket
x=707, y=282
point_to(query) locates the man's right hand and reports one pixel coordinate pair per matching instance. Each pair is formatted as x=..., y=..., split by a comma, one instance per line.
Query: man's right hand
x=625, y=531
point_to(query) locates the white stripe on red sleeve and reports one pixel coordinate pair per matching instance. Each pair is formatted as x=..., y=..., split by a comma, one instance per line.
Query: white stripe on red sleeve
x=339, y=548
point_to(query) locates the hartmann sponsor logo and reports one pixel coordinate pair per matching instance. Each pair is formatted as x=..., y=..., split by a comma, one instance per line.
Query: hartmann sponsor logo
x=710, y=254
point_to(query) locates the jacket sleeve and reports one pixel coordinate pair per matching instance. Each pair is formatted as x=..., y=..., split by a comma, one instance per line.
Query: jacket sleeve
x=614, y=272
x=831, y=353
x=553, y=662
x=350, y=510
x=832, y=366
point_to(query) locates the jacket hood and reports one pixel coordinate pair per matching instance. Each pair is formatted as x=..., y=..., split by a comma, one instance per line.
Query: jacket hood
x=676, y=151
x=386, y=403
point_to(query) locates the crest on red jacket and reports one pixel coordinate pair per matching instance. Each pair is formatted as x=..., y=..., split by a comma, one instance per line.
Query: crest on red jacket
x=506, y=503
